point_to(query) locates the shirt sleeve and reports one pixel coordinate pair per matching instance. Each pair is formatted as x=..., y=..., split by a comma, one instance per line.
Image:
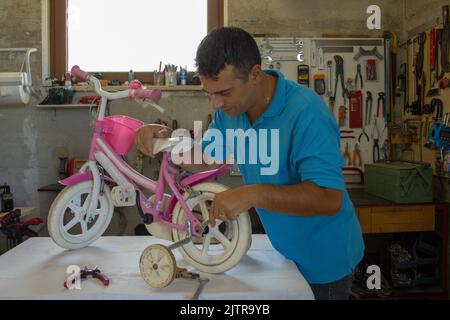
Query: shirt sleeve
x=316, y=143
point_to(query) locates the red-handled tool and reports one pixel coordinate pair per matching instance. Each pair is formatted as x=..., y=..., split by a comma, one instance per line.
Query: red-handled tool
x=94, y=273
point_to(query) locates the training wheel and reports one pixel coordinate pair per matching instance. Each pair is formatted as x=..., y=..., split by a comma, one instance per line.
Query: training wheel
x=157, y=266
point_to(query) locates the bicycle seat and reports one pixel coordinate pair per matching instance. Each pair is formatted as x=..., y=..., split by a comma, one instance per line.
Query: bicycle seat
x=168, y=144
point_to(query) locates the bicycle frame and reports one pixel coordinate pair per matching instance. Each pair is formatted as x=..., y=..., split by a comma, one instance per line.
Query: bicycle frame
x=120, y=172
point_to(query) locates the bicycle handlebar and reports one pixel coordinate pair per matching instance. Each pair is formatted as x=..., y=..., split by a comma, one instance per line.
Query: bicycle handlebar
x=76, y=71
x=135, y=89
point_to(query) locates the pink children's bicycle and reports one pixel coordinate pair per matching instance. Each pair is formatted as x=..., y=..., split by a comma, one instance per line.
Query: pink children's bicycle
x=83, y=210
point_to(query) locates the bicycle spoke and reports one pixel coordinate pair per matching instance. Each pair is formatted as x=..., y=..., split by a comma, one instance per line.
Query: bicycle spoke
x=221, y=238
x=71, y=224
x=84, y=227
x=74, y=208
x=86, y=202
x=204, y=209
x=206, y=244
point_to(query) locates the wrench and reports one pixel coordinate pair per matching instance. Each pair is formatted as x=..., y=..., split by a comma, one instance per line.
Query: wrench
x=268, y=60
x=201, y=284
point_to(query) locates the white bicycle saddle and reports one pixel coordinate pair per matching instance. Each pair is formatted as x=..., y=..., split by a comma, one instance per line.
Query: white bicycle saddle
x=168, y=144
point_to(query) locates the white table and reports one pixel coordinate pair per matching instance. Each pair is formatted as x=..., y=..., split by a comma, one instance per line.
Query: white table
x=36, y=269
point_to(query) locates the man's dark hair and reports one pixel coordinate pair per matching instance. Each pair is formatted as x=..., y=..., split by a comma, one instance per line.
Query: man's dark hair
x=227, y=46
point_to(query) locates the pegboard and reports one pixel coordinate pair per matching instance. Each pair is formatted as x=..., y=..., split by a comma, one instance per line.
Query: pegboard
x=347, y=48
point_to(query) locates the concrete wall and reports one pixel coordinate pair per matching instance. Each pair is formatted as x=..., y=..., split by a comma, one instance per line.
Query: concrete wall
x=421, y=12
x=32, y=139
x=311, y=18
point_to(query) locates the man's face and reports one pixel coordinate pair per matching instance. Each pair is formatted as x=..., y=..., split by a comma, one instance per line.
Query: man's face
x=233, y=95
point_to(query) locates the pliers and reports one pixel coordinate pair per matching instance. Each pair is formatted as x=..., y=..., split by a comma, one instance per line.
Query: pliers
x=358, y=75
x=380, y=102
x=363, y=134
x=339, y=73
x=376, y=146
x=95, y=273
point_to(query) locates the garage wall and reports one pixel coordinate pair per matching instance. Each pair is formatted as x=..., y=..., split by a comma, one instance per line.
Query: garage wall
x=32, y=139
x=311, y=18
x=421, y=12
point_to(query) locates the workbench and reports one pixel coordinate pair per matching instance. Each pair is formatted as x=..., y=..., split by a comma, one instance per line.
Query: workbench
x=381, y=218
x=36, y=269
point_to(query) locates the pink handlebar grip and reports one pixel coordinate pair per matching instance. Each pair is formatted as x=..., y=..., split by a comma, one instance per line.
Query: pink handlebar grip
x=76, y=71
x=154, y=95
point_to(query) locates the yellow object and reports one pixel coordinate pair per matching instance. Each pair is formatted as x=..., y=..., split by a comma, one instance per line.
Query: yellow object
x=394, y=39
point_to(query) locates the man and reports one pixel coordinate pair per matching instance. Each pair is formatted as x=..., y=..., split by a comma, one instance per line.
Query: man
x=304, y=206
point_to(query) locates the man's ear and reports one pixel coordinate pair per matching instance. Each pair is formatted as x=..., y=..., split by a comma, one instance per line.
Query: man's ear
x=256, y=73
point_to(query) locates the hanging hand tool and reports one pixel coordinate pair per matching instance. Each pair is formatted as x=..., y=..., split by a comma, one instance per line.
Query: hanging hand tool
x=375, y=137
x=358, y=76
x=373, y=52
x=342, y=115
x=371, y=70
x=381, y=103
x=339, y=74
x=439, y=106
x=355, y=113
x=347, y=157
x=356, y=156
x=329, y=81
x=369, y=102
x=401, y=85
x=319, y=83
x=303, y=74
x=363, y=134
x=444, y=42
x=419, y=73
x=432, y=55
x=94, y=273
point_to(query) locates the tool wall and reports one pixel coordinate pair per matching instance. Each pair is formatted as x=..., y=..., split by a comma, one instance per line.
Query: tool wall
x=426, y=131
x=349, y=74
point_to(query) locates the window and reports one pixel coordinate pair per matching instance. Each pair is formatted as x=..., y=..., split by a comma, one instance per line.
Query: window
x=132, y=34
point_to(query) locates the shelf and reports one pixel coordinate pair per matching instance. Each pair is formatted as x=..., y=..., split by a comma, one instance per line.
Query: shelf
x=66, y=106
x=150, y=87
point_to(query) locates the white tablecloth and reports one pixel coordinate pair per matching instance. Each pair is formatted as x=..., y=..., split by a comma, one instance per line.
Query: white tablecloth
x=36, y=269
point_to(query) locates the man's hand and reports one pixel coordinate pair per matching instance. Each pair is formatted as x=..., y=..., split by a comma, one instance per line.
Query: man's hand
x=145, y=134
x=228, y=205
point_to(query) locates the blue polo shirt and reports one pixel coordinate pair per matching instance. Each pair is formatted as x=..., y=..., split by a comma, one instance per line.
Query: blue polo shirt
x=298, y=129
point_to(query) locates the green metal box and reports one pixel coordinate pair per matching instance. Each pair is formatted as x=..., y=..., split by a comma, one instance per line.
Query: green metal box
x=399, y=181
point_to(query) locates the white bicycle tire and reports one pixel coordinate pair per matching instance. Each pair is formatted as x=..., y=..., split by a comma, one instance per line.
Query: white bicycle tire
x=241, y=233
x=58, y=210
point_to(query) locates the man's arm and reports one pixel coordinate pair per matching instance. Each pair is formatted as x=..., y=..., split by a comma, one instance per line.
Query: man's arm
x=303, y=199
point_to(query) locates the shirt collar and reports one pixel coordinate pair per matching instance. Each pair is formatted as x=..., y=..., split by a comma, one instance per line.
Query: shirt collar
x=278, y=101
